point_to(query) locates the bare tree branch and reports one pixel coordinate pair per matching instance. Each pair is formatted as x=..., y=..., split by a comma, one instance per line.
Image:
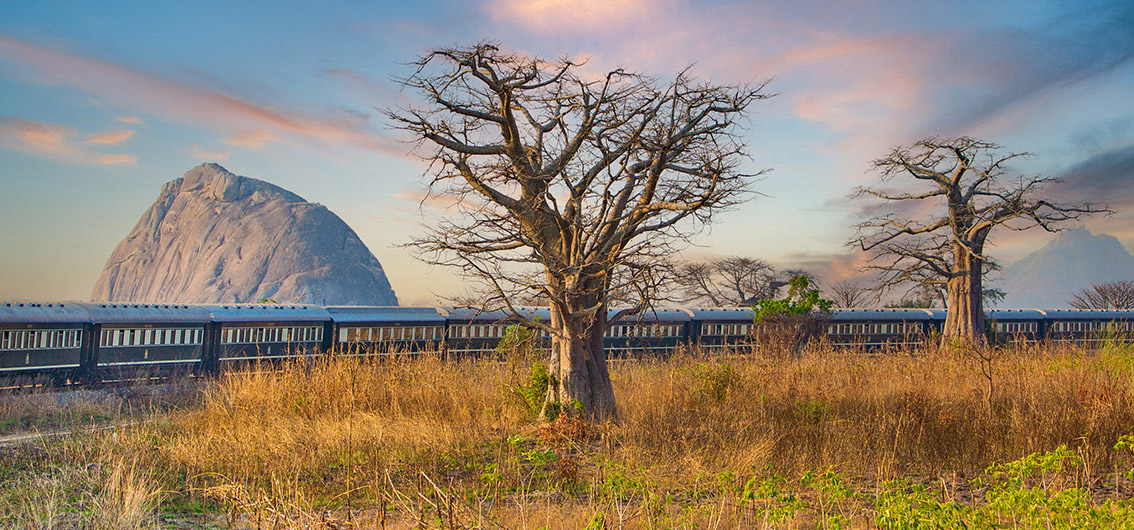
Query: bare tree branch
x=968, y=182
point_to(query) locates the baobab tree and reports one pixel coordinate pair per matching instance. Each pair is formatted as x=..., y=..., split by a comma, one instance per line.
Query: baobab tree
x=571, y=188
x=969, y=194
x=731, y=281
x=1116, y=295
x=848, y=294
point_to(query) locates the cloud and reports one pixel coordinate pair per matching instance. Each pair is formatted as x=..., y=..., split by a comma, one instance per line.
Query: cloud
x=54, y=141
x=1106, y=179
x=129, y=119
x=438, y=201
x=255, y=139
x=574, y=16
x=201, y=153
x=115, y=159
x=176, y=100
x=110, y=137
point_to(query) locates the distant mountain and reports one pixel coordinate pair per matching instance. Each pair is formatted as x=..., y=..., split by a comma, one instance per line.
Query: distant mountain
x=1075, y=259
x=214, y=237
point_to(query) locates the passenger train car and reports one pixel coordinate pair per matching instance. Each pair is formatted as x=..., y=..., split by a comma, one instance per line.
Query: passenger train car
x=64, y=342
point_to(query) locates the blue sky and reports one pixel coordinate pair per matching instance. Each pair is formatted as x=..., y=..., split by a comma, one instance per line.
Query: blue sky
x=103, y=102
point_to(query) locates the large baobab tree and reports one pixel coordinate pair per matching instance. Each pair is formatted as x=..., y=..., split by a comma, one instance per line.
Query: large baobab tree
x=572, y=188
x=962, y=191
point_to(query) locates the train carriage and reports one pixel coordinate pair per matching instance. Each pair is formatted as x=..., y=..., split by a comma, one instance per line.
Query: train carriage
x=365, y=330
x=131, y=340
x=266, y=332
x=474, y=331
x=42, y=340
x=717, y=327
x=876, y=328
x=649, y=333
x=1088, y=326
x=1016, y=325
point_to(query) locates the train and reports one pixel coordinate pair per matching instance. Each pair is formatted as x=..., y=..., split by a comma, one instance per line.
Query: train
x=75, y=342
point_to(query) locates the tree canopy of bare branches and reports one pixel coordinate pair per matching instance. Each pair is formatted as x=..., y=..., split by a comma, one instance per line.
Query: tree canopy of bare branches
x=572, y=188
x=731, y=281
x=849, y=293
x=969, y=191
x=1116, y=295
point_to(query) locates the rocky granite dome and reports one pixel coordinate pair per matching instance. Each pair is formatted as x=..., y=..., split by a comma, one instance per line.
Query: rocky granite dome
x=1075, y=259
x=212, y=236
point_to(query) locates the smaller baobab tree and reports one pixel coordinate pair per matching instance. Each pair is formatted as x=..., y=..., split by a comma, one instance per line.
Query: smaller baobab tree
x=1116, y=295
x=963, y=190
x=848, y=293
x=731, y=281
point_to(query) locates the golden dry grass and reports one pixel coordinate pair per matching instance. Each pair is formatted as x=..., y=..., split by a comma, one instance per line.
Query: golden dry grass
x=418, y=440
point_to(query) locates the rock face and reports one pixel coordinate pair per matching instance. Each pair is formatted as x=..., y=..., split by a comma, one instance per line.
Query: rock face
x=212, y=236
x=1075, y=259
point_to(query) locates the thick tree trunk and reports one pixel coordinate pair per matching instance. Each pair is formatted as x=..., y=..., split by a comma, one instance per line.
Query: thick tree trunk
x=965, y=318
x=580, y=377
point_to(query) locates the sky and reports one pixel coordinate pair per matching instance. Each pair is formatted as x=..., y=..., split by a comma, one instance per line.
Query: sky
x=103, y=102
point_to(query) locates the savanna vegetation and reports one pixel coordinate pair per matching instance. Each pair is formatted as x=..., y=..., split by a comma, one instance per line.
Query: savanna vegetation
x=922, y=438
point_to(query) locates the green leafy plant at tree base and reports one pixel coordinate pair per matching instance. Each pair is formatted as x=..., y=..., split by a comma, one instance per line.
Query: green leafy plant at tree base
x=788, y=324
x=801, y=300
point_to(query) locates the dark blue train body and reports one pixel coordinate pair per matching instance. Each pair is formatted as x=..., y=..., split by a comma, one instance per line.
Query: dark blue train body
x=98, y=342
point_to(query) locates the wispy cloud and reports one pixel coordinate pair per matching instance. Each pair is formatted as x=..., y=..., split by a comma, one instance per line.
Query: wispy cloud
x=254, y=139
x=176, y=100
x=133, y=120
x=110, y=137
x=199, y=152
x=573, y=16
x=57, y=142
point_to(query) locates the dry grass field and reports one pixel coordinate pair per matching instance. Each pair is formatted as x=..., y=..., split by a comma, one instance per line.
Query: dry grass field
x=922, y=438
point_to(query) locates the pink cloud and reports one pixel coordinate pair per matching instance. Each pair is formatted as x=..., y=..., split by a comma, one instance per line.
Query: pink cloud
x=179, y=101
x=129, y=119
x=255, y=138
x=572, y=16
x=115, y=159
x=53, y=141
x=110, y=137
x=201, y=153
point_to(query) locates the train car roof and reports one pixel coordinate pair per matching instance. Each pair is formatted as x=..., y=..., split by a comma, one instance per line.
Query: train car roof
x=1088, y=314
x=480, y=315
x=723, y=313
x=358, y=314
x=888, y=314
x=267, y=313
x=43, y=313
x=1016, y=314
x=661, y=314
x=124, y=313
